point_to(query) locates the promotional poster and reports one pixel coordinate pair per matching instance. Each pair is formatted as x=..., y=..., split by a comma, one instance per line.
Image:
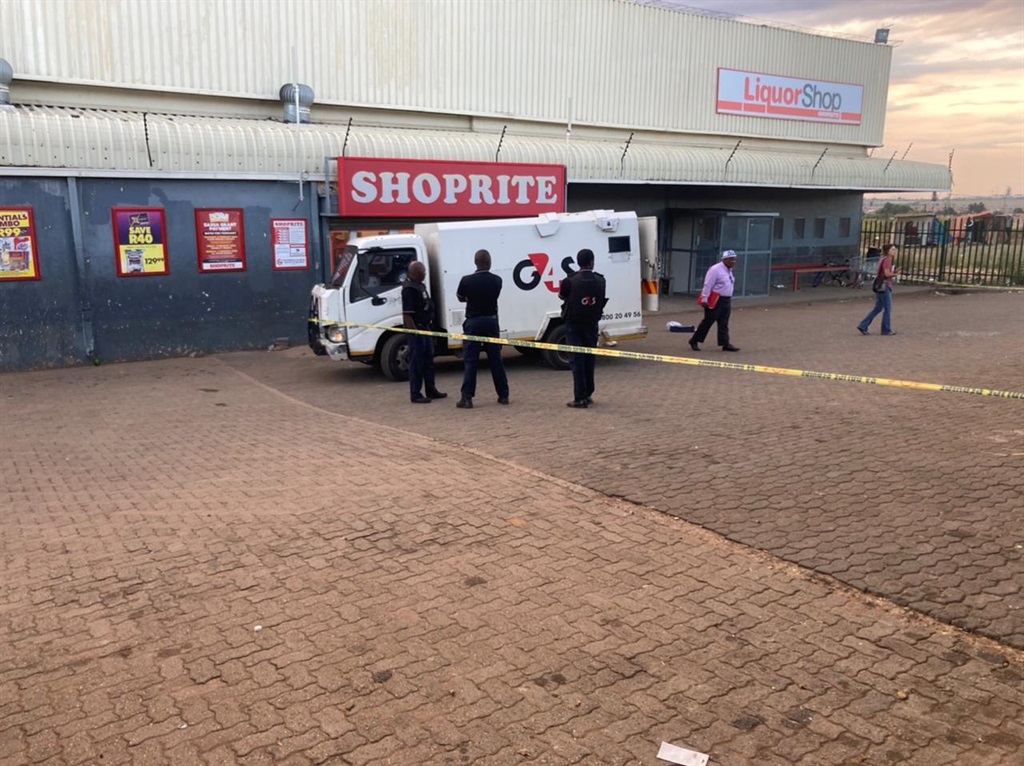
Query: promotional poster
x=290, y=243
x=140, y=242
x=220, y=239
x=18, y=258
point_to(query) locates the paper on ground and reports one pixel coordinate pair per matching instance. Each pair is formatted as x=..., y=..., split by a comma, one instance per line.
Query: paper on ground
x=681, y=755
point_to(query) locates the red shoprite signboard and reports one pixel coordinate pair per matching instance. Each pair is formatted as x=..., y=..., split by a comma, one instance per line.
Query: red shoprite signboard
x=385, y=188
x=220, y=239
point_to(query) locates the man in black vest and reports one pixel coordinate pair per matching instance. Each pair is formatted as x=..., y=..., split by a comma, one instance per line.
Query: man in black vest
x=480, y=291
x=583, y=296
x=418, y=314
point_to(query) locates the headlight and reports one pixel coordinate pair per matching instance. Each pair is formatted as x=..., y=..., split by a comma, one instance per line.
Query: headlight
x=335, y=334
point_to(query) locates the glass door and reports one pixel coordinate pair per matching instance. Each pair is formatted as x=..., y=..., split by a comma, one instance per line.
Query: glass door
x=751, y=237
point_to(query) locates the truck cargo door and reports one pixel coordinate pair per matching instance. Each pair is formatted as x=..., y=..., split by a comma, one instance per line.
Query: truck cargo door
x=650, y=270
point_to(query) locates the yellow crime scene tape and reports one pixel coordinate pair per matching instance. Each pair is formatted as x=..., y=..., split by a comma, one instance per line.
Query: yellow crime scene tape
x=615, y=353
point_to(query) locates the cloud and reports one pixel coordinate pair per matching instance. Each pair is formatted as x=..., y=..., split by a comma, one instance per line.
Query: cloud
x=957, y=77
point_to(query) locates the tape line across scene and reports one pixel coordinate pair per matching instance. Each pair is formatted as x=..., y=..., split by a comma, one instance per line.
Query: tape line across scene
x=890, y=382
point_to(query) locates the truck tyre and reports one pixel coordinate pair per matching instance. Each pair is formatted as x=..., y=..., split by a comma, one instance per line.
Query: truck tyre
x=394, y=356
x=558, y=360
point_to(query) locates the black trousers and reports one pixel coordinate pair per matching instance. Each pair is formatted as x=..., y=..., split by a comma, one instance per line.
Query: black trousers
x=720, y=314
x=421, y=364
x=584, y=335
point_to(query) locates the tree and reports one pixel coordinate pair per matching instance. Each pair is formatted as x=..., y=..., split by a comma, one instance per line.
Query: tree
x=976, y=207
x=889, y=209
x=949, y=210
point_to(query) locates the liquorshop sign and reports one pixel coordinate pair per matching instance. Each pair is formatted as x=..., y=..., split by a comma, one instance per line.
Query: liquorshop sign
x=387, y=188
x=753, y=94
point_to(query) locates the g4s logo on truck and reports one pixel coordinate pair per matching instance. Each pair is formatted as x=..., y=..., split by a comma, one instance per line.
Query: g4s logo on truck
x=543, y=270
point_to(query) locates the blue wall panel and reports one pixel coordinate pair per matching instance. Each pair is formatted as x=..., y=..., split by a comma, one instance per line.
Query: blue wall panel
x=187, y=311
x=135, y=318
x=41, y=321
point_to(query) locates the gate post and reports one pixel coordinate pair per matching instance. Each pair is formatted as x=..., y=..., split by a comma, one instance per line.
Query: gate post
x=944, y=236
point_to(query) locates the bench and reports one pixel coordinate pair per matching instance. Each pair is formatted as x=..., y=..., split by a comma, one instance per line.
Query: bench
x=801, y=268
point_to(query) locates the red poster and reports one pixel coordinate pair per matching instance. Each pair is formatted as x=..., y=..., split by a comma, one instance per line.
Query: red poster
x=220, y=239
x=290, y=242
x=18, y=256
x=384, y=188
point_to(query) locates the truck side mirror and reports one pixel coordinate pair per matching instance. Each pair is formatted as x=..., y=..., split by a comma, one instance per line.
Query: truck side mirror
x=378, y=301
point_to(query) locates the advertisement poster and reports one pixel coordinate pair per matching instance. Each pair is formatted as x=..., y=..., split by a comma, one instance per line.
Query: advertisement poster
x=140, y=241
x=291, y=246
x=18, y=257
x=220, y=239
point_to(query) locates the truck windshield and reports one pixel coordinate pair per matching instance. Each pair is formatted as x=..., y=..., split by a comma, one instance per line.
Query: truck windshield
x=379, y=270
x=344, y=263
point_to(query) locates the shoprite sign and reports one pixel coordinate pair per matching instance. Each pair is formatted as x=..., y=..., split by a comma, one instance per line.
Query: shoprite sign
x=386, y=188
x=753, y=94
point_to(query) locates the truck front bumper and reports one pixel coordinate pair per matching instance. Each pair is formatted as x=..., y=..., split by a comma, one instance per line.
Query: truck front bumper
x=317, y=334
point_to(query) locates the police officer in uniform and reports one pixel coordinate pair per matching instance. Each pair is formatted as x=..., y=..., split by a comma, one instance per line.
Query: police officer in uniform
x=583, y=301
x=418, y=314
x=480, y=291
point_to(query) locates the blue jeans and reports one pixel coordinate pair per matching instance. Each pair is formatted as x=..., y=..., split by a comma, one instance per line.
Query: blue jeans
x=486, y=327
x=883, y=306
x=421, y=364
x=582, y=364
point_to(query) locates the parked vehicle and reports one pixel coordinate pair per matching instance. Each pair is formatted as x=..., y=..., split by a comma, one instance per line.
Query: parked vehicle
x=531, y=255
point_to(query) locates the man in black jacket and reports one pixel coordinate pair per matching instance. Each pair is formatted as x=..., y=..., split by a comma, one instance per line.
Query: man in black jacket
x=480, y=291
x=583, y=295
x=418, y=314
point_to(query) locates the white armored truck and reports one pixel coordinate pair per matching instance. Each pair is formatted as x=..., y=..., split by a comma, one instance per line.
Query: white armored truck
x=531, y=255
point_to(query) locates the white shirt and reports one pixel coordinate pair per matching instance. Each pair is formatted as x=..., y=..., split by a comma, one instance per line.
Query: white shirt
x=719, y=279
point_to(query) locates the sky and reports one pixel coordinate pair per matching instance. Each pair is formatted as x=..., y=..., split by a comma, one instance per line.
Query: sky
x=957, y=80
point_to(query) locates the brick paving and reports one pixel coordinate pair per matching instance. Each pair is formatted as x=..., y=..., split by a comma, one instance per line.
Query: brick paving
x=206, y=567
x=915, y=496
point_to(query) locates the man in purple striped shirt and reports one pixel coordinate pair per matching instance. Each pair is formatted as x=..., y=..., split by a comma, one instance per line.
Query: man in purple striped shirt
x=716, y=298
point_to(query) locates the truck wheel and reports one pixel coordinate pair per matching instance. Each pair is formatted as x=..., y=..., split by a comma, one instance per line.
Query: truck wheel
x=394, y=356
x=558, y=360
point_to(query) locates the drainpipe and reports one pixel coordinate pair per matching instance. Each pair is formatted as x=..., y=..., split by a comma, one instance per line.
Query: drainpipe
x=297, y=99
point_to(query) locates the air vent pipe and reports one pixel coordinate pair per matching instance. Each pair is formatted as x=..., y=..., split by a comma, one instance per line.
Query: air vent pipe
x=6, y=78
x=297, y=99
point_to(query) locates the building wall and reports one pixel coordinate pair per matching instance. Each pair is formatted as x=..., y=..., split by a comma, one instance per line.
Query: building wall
x=606, y=63
x=831, y=223
x=792, y=204
x=48, y=322
x=41, y=321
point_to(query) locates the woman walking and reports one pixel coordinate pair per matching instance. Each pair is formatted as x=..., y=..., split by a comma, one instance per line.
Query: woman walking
x=883, y=297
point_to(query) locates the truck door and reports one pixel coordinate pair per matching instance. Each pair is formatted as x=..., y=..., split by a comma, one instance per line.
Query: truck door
x=374, y=295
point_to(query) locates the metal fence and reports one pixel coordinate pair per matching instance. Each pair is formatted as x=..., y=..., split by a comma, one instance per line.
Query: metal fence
x=987, y=250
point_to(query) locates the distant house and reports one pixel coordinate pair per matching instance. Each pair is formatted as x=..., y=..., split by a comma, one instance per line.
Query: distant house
x=918, y=229
x=972, y=227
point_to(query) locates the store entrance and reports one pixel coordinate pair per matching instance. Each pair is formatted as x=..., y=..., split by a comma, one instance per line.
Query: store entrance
x=697, y=239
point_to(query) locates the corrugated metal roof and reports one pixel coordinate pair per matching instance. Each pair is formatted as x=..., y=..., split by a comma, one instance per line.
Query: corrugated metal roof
x=597, y=62
x=55, y=137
